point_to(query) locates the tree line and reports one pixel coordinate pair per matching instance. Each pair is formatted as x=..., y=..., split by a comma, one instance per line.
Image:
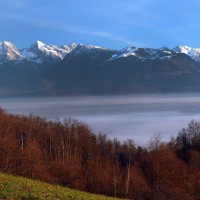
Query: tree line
x=70, y=154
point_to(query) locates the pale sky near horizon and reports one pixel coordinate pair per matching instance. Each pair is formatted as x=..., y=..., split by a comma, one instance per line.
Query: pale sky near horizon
x=110, y=23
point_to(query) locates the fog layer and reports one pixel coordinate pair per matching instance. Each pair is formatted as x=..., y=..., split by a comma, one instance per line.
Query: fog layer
x=133, y=116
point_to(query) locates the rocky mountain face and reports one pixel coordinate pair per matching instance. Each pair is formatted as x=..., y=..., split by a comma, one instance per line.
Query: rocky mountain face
x=78, y=69
x=8, y=52
x=40, y=52
x=194, y=53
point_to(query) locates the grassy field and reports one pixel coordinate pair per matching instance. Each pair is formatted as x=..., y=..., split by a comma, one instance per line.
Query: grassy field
x=12, y=187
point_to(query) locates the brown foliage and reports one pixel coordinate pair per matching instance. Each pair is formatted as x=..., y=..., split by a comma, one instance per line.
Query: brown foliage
x=70, y=154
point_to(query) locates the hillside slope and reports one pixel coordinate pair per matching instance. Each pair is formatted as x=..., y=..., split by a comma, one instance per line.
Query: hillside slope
x=70, y=155
x=12, y=187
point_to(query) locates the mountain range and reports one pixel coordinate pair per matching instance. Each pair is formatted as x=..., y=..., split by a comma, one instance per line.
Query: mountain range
x=79, y=69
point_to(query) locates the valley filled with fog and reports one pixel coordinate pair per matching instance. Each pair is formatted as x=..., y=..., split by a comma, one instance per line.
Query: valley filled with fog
x=136, y=117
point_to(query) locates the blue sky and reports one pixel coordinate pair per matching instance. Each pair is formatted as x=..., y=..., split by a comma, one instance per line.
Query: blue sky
x=109, y=23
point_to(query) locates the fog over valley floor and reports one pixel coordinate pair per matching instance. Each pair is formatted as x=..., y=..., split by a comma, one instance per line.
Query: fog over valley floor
x=133, y=116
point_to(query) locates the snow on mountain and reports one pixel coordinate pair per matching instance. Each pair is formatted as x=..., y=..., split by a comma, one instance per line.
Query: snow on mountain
x=128, y=51
x=143, y=53
x=88, y=50
x=64, y=49
x=194, y=53
x=9, y=52
x=40, y=52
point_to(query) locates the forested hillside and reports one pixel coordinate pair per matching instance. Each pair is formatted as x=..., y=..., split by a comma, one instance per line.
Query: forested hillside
x=71, y=155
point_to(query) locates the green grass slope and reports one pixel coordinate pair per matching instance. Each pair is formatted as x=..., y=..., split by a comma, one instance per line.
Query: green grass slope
x=12, y=187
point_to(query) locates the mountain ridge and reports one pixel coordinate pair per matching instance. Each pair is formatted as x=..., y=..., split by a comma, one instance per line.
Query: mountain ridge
x=79, y=69
x=59, y=52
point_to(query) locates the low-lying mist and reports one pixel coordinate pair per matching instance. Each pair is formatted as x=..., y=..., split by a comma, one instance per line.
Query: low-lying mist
x=126, y=116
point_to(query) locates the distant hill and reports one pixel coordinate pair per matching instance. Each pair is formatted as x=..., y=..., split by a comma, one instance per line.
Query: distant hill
x=88, y=70
x=14, y=187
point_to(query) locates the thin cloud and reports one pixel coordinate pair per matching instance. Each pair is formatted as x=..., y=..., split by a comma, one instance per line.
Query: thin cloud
x=107, y=35
x=62, y=26
x=115, y=20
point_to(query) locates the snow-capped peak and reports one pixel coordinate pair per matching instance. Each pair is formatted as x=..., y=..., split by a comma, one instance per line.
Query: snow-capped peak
x=95, y=47
x=39, y=44
x=39, y=52
x=82, y=46
x=143, y=53
x=194, y=53
x=130, y=50
x=182, y=49
x=73, y=45
x=90, y=50
x=125, y=52
x=6, y=43
x=67, y=49
x=8, y=51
